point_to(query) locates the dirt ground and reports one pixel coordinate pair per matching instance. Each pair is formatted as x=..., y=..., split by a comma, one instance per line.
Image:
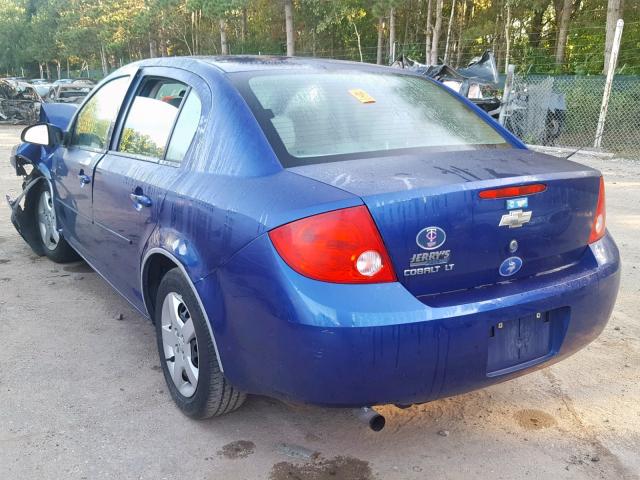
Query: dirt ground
x=82, y=395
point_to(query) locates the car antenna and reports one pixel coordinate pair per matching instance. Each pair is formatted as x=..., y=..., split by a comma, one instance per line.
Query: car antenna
x=580, y=148
x=573, y=153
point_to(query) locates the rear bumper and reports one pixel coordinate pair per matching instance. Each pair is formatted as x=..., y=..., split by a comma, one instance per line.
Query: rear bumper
x=286, y=336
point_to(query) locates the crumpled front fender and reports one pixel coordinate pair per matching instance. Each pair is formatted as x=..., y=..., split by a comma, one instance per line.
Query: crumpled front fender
x=22, y=216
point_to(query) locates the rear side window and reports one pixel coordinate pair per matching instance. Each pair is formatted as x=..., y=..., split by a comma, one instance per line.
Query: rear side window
x=151, y=117
x=315, y=117
x=185, y=128
x=96, y=118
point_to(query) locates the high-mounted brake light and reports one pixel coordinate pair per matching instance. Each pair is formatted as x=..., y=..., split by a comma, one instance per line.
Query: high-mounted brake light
x=342, y=246
x=599, y=226
x=508, y=192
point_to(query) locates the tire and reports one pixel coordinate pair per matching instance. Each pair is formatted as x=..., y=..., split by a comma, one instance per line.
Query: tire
x=51, y=242
x=187, y=351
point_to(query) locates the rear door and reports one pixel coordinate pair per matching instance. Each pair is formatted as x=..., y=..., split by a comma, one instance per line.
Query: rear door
x=73, y=162
x=132, y=179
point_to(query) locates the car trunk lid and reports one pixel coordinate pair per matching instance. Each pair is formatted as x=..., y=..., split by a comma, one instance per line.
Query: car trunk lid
x=442, y=236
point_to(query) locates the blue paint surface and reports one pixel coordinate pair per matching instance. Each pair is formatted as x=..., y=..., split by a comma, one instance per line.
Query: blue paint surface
x=278, y=333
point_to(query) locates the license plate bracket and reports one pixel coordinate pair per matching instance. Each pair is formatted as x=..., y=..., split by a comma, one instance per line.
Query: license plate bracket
x=519, y=342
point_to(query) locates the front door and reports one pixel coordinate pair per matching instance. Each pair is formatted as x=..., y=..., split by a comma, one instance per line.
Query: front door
x=131, y=181
x=74, y=161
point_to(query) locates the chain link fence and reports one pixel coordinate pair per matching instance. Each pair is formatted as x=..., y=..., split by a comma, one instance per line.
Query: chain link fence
x=564, y=111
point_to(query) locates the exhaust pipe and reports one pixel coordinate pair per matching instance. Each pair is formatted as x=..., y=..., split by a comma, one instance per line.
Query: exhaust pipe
x=373, y=419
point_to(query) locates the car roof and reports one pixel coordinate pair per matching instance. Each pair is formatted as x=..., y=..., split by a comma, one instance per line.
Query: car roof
x=247, y=63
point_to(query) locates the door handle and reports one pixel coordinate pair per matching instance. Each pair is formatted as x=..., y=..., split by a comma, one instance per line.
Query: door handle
x=140, y=201
x=84, y=179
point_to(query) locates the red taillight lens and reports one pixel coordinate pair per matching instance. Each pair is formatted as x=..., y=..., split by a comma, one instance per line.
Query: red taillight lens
x=600, y=218
x=343, y=246
x=508, y=192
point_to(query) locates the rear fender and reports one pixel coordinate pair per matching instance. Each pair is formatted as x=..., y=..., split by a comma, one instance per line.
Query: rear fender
x=182, y=253
x=179, y=248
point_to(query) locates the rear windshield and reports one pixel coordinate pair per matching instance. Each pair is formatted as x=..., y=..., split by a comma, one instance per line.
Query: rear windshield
x=323, y=117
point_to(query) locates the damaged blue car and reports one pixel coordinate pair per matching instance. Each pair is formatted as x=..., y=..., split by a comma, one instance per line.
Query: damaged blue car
x=318, y=231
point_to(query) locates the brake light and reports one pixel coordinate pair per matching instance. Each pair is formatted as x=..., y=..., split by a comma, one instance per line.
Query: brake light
x=599, y=226
x=508, y=192
x=342, y=246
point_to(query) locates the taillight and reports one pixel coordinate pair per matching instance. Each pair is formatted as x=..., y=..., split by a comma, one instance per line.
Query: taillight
x=507, y=192
x=342, y=246
x=599, y=225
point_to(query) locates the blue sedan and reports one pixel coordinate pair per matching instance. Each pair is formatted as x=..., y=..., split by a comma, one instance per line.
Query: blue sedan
x=318, y=231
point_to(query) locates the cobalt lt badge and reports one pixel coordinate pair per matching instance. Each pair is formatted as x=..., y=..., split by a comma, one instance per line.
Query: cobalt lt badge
x=431, y=238
x=510, y=266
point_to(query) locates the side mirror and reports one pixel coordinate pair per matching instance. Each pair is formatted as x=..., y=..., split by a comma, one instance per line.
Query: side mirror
x=43, y=134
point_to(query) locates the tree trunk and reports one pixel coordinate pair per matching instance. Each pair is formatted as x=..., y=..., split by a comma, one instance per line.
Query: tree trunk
x=380, y=34
x=446, y=45
x=563, y=26
x=313, y=41
x=193, y=33
x=507, y=37
x=224, y=45
x=288, y=18
x=197, y=16
x=405, y=37
x=41, y=70
x=392, y=33
x=427, y=53
x=152, y=47
x=161, y=36
x=243, y=26
x=614, y=13
x=436, y=33
x=496, y=32
x=103, y=59
x=355, y=29
x=463, y=19
x=58, y=69
x=536, y=28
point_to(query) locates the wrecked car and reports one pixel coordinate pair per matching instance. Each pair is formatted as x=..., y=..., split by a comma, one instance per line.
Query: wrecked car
x=69, y=93
x=539, y=119
x=319, y=231
x=19, y=102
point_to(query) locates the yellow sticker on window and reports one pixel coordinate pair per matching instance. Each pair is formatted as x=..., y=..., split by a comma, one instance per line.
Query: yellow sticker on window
x=362, y=96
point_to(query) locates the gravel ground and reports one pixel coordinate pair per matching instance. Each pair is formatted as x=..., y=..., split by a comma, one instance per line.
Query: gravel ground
x=82, y=395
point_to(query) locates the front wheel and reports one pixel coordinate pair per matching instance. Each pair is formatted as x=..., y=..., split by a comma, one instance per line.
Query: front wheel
x=187, y=353
x=43, y=213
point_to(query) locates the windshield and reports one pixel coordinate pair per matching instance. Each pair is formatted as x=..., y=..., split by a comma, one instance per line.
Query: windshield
x=322, y=117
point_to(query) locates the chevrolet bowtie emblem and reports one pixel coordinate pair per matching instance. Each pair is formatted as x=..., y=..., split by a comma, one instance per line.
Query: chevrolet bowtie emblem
x=515, y=219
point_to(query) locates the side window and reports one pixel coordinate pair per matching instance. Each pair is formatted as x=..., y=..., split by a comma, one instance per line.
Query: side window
x=151, y=117
x=96, y=118
x=185, y=128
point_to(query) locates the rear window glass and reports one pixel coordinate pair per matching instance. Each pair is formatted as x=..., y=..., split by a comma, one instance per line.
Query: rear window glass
x=318, y=117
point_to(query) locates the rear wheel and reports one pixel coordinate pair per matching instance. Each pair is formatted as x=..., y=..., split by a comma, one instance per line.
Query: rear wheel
x=187, y=353
x=49, y=236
